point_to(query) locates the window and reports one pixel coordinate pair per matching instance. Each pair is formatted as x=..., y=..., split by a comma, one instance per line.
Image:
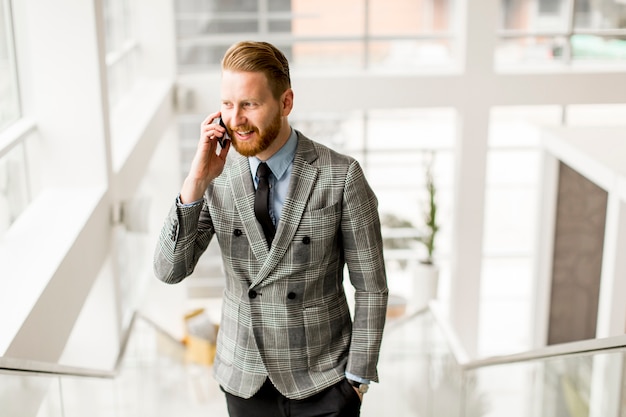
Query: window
x=14, y=186
x=121, y=49
x=9, y=92
x=357, y=34
x=549, y=32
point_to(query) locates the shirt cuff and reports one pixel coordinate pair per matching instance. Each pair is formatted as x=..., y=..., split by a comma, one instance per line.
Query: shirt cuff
x=194, y=203
x=357, y=378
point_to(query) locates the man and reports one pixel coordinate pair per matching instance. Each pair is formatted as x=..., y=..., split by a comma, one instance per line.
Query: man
x=287, y=345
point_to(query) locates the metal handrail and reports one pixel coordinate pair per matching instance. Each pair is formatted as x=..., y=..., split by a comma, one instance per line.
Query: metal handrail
x=48, y=368
x=583, y=347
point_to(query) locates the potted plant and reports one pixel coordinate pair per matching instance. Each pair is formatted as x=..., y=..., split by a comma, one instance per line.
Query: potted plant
x=430, y=229
x=426, y=281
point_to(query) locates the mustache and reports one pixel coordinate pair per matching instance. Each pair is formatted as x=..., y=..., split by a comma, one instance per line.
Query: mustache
x=243, y=129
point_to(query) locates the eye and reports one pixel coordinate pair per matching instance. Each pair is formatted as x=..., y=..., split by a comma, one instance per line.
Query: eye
x=227, y=104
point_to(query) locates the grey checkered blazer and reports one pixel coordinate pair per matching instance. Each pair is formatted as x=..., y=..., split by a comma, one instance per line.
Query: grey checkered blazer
x=285, y=314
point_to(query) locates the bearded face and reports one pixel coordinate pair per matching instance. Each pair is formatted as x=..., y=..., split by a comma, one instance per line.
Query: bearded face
x=256, y=119
x=261, y=137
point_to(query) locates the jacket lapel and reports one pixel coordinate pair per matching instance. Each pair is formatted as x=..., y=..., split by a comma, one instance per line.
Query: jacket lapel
x=242, y=189
x=303, y=178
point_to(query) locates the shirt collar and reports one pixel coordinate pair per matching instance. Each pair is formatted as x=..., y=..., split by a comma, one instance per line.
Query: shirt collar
x=280, y=161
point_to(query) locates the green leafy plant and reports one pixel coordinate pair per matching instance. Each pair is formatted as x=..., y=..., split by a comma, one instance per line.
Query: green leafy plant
x=430, y=228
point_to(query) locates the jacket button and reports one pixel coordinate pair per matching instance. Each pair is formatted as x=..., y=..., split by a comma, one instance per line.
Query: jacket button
x=291, y=295
x=237, y=232
x=306, y=240
x=252, y=294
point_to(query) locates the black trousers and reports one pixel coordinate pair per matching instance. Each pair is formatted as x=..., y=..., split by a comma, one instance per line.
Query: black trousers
x=339, y=400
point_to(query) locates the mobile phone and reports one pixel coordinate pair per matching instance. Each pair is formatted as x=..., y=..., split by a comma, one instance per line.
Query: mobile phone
x=223, y=139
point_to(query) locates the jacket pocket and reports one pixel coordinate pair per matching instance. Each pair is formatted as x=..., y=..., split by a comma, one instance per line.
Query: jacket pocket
x=228, y=333
x=317, y=234
x=328, y=329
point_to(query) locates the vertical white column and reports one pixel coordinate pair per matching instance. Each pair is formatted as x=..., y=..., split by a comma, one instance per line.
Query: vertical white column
x=611, y=306
x=471, y=157
x=471, y=153
x=544, y=248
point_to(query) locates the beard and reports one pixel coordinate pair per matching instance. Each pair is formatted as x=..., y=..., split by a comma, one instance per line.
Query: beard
x=264, y=138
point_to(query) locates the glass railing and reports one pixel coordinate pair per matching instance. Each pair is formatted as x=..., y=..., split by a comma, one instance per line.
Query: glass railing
x=423, y=373
x=575, y=380
x=153, y=378
x=434, y=378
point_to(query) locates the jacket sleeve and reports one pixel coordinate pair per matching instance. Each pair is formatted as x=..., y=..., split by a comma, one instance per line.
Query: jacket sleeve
x=363, y=249
x=186, y=233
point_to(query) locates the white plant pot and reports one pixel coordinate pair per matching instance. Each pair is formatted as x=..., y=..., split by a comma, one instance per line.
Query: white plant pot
x=425, y=285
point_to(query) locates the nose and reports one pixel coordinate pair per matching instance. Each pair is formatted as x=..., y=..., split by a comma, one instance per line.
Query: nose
x=238, y=118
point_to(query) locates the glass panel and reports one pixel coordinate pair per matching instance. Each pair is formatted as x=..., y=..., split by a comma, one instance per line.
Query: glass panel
x=279, y=5
x=121, y=55
x=588, y=48
x=328, y=56
x=337, y=18
x=534, y=15
x=416, y=360
x=535, y=51
x=205, y=24
x=518, y=167
x=89, y=397
x=510, y=220
x=600, y=14
x=9, y=95
x=340, y=131
x=280, y=26
x=411, y=129
x=581, y=385
x=198, y=24
x=195, y=55
x=28, y=396
x=117, y=23
x=408, y=17
x=121, y=77
x=519, y=126
x=407, y=55
x=553, y=15
x=399, y=181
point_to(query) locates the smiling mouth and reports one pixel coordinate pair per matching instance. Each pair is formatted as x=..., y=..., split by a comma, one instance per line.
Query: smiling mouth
x=243, y=134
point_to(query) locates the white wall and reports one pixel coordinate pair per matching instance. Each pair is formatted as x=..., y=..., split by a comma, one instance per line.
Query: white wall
x=61, y=257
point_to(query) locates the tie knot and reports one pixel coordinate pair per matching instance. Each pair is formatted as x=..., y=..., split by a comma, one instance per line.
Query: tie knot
x=263, y=171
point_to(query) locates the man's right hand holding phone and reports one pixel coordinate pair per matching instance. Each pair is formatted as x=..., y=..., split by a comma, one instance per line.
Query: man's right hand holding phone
x=208, y=162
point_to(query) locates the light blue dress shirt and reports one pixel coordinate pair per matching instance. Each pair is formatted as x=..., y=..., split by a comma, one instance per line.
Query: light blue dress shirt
x=280, y=164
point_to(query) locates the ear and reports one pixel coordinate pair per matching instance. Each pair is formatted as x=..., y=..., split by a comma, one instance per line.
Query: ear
x=286, y=101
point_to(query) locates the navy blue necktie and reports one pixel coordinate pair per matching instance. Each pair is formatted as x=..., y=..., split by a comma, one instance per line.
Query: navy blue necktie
x=261, y=202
